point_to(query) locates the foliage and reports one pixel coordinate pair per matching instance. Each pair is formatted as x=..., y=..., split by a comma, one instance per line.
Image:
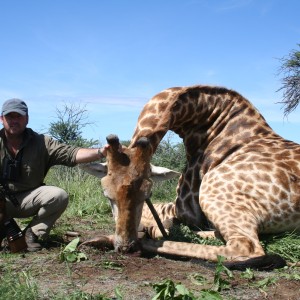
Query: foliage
x=17, y=286
x=164, y=191
x=286, y=245
x=264, y=283
x=71, y=254
x=68, y=128
x=290, y=69
x=291, y=275
x=210, y=295
x=170, y=155
x=112, y=265
x=168, y=290
x=79, y=295
x=248, y=274
x=185, y=234
x=219, y=282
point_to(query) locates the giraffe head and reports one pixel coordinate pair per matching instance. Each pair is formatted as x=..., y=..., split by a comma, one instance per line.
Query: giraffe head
x=127, y=182
x=127, y=185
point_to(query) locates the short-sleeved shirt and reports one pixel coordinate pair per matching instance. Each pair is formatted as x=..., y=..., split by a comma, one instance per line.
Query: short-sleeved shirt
x=37, y=154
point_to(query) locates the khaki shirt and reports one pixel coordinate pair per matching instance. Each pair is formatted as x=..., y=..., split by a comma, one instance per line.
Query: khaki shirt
x=38, y=153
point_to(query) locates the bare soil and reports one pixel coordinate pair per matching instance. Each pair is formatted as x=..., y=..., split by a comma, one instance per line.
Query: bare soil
x=134, y=275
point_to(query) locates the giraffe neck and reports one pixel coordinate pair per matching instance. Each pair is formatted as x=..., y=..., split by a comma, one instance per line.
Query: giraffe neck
x=206, y=118
x=155, y=118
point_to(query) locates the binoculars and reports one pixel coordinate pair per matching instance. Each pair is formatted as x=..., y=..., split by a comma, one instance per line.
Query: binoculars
x=14, y=235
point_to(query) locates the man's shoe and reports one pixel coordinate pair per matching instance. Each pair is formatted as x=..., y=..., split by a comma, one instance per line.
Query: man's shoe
x=32, y=241
x=2, y=233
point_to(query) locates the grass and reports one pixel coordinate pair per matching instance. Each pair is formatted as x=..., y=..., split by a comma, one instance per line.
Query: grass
x=22, y=286
x=286, y=245
x=86, y=197
x=17, y=286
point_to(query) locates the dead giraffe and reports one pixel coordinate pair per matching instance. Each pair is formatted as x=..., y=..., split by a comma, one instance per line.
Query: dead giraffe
x=240, y=175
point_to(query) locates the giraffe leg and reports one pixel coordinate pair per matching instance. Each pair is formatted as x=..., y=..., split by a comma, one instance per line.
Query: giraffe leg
x=240, y=253
x=167, y=215
x=242, y=249
x=237, y=249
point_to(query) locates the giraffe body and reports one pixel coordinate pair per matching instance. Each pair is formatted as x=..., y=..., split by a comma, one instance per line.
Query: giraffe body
x=235, y=161
x=240, y=176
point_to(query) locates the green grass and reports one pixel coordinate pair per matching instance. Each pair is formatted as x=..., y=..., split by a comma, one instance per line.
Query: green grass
x=87, y=203
x=17, y=286
x=286, y=245
x=86, y=199
x=21, y=286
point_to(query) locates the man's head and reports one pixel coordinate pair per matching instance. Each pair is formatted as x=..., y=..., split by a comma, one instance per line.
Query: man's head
x=14, y=117
x=14, y=105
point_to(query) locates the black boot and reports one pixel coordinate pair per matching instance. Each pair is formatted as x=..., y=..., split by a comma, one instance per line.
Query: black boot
x=32, y=241
x=2, y=234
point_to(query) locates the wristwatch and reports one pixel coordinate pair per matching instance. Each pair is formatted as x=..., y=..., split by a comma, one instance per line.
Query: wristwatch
x=100, y=153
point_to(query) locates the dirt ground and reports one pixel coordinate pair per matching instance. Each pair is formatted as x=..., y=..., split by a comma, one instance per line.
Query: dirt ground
x=133, y=276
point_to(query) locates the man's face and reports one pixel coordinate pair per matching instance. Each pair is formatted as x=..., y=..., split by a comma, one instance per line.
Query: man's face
x=14, y=123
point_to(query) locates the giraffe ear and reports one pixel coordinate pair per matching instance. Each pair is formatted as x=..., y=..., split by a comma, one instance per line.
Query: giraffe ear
x=161, y=173
x=96, y=169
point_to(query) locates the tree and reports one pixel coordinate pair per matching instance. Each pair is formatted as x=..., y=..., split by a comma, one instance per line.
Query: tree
x=170, y=155
x=68, y=128
x=290, y=69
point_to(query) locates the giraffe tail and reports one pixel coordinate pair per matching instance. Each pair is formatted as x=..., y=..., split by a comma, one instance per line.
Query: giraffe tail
x=261, y=263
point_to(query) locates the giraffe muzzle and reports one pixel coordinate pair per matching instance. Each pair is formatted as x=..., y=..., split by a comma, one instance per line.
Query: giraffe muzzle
x=127, y=247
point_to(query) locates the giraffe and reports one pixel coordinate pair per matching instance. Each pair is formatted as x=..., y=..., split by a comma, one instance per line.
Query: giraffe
x=240, y=176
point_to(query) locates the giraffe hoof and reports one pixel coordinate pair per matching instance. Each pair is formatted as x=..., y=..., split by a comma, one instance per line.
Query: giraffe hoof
x=260, y=263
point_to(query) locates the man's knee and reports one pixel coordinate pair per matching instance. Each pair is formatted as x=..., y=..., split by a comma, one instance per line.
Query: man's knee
x=53, y=197
x=60, y=197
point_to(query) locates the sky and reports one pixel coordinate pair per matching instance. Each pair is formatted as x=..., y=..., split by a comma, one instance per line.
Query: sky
x=111, y=57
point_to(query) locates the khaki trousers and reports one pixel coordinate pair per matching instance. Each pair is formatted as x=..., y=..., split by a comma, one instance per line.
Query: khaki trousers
x=45, y=204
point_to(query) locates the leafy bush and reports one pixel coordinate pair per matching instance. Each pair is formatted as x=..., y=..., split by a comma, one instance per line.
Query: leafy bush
x=169, y=155
x=71, y=254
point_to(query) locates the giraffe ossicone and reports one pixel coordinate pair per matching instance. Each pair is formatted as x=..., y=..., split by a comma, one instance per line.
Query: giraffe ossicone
x=240, y=177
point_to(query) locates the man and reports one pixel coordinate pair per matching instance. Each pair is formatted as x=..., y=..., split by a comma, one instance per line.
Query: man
x=25, y=158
